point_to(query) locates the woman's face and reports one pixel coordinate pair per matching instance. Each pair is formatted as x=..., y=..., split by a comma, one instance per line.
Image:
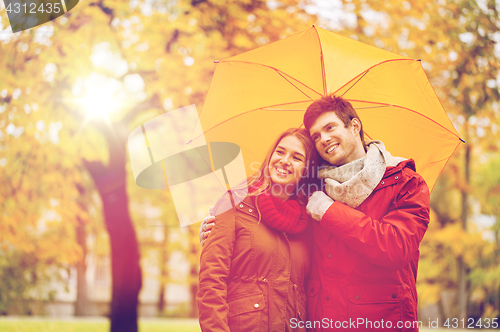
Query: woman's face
x=288, y=162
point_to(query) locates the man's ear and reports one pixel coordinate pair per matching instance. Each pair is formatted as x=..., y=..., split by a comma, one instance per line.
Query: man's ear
x=356, y=126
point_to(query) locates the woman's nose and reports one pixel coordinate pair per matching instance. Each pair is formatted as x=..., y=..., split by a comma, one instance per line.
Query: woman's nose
x=285, y=160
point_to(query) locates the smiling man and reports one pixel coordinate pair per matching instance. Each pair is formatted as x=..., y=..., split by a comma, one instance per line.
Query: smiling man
x=369, y=226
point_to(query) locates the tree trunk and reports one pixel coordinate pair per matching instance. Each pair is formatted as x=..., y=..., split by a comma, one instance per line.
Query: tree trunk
x=497, y=299
x=461, y=267
x=163, y=271
x=161, y=298
x=462, y=290
x=193, y=273
x=81, y=268
x=110, y=181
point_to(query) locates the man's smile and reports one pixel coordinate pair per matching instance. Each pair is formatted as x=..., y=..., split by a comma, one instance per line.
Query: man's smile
x=332, y=148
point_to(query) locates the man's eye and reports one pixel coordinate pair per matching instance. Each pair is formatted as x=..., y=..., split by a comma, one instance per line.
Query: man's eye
x=329, y=128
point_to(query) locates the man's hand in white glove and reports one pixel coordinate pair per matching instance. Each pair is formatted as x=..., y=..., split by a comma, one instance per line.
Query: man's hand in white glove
x=318, y=204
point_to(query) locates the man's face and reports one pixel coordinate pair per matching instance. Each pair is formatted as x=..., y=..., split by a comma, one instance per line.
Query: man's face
x=335, y=143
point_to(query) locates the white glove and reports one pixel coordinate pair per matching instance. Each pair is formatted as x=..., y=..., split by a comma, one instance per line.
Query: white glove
x=318, y=204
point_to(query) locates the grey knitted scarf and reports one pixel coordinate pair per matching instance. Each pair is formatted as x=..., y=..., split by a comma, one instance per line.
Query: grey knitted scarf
x=352, y=183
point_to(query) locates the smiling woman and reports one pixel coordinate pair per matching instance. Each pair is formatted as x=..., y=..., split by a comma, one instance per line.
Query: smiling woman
x=259, y=250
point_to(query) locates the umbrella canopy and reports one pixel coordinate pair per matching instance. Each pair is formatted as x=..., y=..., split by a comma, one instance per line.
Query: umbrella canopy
x=256, y=95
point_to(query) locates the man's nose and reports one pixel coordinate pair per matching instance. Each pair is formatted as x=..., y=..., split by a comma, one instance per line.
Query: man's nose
x=325, y=138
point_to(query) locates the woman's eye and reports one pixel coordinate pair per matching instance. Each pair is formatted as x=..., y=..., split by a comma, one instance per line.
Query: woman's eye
x=279, y=152
x=330, y=128
x=297, y=158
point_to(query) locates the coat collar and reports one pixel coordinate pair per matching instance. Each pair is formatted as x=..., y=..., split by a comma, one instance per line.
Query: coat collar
x=394, y=169
x=392, y=176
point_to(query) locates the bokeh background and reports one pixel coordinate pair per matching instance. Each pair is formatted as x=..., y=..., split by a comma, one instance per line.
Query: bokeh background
x=79, y=238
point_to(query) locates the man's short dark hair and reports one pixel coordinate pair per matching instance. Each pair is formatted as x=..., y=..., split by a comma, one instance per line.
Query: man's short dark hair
x=331, y=103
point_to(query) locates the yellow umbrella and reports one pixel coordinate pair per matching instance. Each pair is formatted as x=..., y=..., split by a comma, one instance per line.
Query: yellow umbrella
x=256, y=95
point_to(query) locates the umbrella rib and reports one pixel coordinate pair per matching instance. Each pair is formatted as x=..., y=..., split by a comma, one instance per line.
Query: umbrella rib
x=278, y=71
x=283, y=109
x=365, y=71
x=430, y=162
x=438, y=161
x=382, y=106
x=440, y=103
x=237, y=115
x=408, y=109
x=293, y=85
x=323, y=74
x=359, y=79
x=430, y=189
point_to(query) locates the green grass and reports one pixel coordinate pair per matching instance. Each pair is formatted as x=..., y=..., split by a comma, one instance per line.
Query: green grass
x=40, y=324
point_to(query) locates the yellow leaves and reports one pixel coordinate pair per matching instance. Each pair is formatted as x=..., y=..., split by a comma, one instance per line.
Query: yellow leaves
x=14, y=238
x=490, y=311
x=441, y=247
x=49, y=248
x=428, y=294
x=242, y=41
x=458, y=236
x=457, y=242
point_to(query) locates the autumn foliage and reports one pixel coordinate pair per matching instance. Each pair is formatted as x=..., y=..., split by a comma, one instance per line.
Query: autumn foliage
x=59, y=160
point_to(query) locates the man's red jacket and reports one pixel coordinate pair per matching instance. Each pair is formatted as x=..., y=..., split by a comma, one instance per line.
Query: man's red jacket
x=365, y=260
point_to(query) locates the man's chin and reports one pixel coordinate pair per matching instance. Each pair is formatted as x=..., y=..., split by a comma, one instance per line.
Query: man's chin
x=330, y=159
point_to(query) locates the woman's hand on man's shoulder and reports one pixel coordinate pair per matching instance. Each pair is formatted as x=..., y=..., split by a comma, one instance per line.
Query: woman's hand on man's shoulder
x=206, y=225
